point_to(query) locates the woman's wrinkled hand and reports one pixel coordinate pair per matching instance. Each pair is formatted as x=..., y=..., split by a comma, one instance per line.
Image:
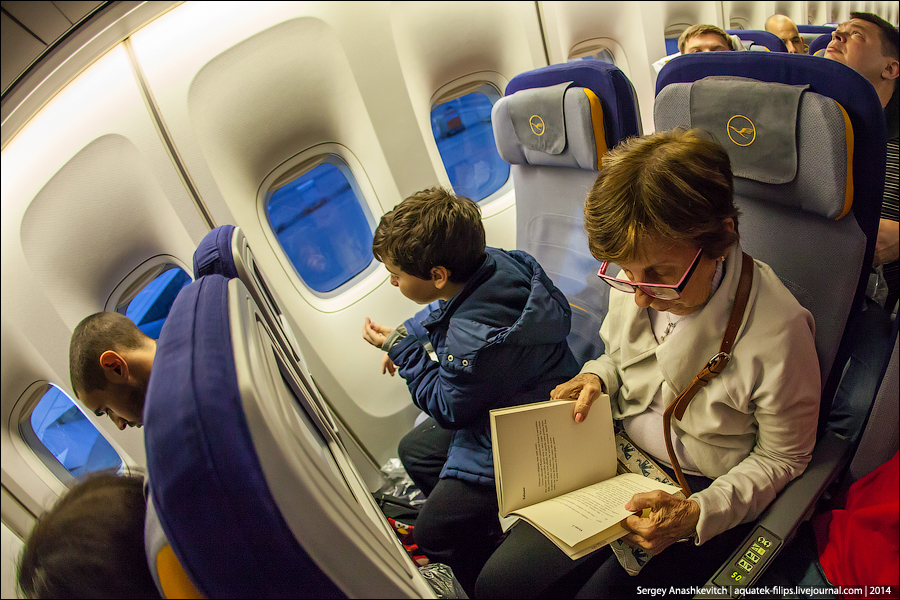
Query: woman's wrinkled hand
x=670, y=519
x=584, y=388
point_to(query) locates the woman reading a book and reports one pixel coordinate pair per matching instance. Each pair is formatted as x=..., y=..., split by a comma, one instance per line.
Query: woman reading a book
x=662, y=210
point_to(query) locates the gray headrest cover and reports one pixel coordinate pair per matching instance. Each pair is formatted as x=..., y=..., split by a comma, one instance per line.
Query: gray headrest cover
x=824, y=152
x=756, y=121
x=537, y=117
x=580, y=150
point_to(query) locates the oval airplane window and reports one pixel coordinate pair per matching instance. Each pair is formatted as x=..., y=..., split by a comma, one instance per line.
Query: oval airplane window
x=593, y=53
x=65, y=439
x=322, y=225
x=148, y=304
x=465, y=139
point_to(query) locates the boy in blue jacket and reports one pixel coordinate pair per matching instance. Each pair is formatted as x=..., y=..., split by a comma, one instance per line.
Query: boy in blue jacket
x=499, y=332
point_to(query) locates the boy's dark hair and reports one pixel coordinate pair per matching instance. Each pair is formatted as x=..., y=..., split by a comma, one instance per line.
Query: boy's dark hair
x=432, y=228
x=90, y=544
x=92, y=337
x=890, y=39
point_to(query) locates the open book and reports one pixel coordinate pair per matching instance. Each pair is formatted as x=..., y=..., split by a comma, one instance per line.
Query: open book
x=561, y=476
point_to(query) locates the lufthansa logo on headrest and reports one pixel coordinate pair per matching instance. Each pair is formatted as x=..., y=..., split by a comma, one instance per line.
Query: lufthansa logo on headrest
x=741, y=130
x=537, y=125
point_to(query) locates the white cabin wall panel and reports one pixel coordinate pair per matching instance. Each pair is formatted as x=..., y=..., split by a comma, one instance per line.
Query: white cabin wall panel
x=683, y=12
x=138, y=183
x=632, y=30
x=85, y=200
x=747, y=14
x=817, y=12
x=262, y=83
x=439, y=43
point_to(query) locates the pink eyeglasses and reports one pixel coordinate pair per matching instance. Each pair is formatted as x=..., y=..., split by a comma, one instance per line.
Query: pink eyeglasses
x=655, y=290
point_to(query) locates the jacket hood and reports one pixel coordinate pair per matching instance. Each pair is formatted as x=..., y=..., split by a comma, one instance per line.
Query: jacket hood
x=522, y=293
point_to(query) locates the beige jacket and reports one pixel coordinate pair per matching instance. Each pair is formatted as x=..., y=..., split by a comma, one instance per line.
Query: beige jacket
x=753, y=428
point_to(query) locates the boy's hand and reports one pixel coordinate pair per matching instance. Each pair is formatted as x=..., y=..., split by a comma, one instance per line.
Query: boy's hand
x=374, y=333
x=387, y=365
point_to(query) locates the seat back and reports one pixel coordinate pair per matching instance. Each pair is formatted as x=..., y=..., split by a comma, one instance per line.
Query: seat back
x=818, y=45
x=168, y=574
x=225, y=251
x=254, y=497
x=596, y=111
x=752, y=37
x=814, y=223
x=810, y=201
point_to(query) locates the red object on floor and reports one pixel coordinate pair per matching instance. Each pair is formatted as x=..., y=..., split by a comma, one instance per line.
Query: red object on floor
x=405, y=535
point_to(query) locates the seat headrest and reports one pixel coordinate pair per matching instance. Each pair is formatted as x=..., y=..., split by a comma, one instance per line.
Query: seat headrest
x=213, y=254
x=786, y=144
x=753, y=37
x=560, y=125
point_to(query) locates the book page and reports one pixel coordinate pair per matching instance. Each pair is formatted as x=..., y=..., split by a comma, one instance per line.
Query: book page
x=541, y=452
x=578, y=515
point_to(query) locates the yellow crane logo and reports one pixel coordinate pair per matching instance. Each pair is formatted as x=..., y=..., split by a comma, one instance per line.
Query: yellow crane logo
x=743, y=129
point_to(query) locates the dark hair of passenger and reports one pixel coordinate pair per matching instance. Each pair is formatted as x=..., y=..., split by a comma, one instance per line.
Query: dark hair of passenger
x=674, y=185
x=432, y=228
x=90, y=544
x=92, y=337
x=890, y=38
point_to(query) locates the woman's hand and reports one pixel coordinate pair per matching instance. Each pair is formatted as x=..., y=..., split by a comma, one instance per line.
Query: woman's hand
x=374, y=333
x=585, y=388
x=670, y=519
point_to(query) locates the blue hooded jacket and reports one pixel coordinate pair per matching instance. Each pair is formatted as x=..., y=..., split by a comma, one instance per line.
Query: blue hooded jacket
x=500, y=341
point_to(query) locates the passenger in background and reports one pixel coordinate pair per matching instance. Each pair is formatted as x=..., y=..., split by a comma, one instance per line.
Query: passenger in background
x=869, y=45
x=499, y=331
x=110, y=360
x=786, y=30
x=663, y=209
x=702, y=38
x=90, y=544
x=705, y=38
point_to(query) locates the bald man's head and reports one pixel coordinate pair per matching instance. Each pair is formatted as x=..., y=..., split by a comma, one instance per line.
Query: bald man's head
x=784, y=28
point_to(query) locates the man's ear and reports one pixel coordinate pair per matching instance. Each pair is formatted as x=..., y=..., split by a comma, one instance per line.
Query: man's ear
x=114, y=366
x=440, y=276
x=891, y=69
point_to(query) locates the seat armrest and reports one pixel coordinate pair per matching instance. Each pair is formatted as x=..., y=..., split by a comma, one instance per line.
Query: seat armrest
x=779, y=522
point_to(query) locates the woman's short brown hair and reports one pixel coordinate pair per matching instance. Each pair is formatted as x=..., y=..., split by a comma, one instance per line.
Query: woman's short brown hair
x=432, y=228
x=674, y=185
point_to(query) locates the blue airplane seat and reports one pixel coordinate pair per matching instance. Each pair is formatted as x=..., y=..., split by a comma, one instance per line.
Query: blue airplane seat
x=856, y=97
x=811, y=213
x=213, y=255
x=254, y=498
x=815, y=29
x=225, y=251
x=596, y=111
x=819, y=43
x=752, y=37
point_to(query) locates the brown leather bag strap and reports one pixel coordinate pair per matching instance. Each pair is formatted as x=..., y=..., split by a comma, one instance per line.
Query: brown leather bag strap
x=713, y=367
